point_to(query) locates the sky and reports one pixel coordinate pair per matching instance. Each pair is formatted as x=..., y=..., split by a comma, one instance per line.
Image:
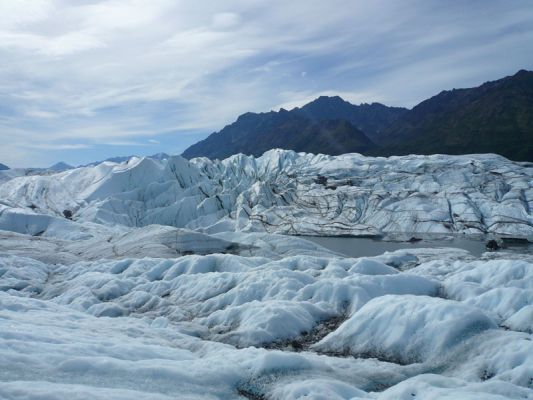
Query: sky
x=85, y=80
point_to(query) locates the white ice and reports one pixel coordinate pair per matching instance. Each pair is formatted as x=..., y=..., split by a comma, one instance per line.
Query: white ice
x=174, y=280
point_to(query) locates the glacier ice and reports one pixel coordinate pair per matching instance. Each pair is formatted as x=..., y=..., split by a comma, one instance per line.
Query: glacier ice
x=176, y=279
x=280, y=192
x=165, y=326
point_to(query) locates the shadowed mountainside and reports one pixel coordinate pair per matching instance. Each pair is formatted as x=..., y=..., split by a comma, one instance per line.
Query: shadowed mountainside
x=496, y=117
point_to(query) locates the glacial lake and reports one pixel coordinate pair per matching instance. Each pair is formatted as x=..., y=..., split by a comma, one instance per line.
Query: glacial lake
x=368, y=247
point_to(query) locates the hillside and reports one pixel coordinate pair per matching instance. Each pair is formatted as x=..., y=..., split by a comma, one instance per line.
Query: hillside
x=60, y=166
x=496, y=117
x=253, y=134
x=372, y=119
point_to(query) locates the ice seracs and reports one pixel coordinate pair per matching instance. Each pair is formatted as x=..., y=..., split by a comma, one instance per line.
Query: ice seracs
x=287, y=192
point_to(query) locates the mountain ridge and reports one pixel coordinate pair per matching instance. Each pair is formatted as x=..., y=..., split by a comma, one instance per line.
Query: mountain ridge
x=120, y=159
x=282, y=129
x=60, y=166
x=495, y=117
x=370, y=118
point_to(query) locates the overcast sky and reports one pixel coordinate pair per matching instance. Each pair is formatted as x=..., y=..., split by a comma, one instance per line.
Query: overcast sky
x=85, y=80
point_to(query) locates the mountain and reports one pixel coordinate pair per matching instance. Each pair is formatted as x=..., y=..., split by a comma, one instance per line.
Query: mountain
x=60, y=166
x=3, y=167
x=159, y=156
x=496, y=117
x=372, y=119
x=253, y=134
x=327, y=125
x=121, y=159
x=118, y=160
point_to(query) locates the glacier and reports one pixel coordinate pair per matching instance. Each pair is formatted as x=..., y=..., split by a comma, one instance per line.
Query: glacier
x=187, y=279
x=286, y=192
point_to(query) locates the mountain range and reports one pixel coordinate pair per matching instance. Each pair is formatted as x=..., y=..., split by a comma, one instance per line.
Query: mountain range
x=60, y=166
x=63, y=166
x=120, y=159
x=496, y=117
x=253, y=134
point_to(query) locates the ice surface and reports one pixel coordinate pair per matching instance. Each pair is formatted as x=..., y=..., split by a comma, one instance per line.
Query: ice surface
x=280, y=192
x=406, y=329
x=174, y=280
x=167, y=327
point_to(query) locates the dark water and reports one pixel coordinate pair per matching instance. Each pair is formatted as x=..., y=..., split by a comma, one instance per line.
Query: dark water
x=368, y=247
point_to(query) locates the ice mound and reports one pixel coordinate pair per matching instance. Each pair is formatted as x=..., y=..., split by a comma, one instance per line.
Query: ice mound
x=501, y=288
x=522, y=320
x=208, y=326
x=22, y=275
x=406, y=329
x=26, y=221
x=495, y=355
x=430, y=386
x=318, y=389
x=239, y=300
x=258, y=323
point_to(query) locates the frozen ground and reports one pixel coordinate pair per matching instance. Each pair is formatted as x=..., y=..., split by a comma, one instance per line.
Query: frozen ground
x=212, y=305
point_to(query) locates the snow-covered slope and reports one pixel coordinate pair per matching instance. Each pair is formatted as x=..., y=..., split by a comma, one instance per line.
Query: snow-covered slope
x=286, y=192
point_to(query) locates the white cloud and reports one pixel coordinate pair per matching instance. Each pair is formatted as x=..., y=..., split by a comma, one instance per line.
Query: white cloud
x=226, y=20
x=41, y=114
x=69, y=43
x=16, y=13
x=56, y=146
x=125, y=71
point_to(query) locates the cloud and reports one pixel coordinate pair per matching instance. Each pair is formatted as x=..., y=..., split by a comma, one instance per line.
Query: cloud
x=132, y=71
x=18, y=13
x=226, y=20
x=56, y=146
x=69, y=43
